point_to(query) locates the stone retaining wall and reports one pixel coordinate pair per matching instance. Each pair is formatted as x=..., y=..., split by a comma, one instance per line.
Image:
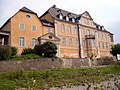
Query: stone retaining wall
x=44, y=63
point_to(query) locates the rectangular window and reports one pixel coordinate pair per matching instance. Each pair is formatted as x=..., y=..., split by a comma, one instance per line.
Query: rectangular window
x=87, y=22
x=33, y=42
x=107, y=45
x=22, y=26
x=99, y=44
x=21, y=41
x=103, y=45
x=33, y=28
x=83, y=31
x=49, y=29
x=6, y=27
x=76, y=30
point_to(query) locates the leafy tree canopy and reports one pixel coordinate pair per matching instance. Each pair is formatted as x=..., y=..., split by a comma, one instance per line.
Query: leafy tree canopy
x=115, y=49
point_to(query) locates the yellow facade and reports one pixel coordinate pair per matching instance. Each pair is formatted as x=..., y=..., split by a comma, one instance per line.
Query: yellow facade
x=74, y=39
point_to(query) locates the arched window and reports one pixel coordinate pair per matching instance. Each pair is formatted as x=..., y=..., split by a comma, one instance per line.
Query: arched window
x=70, y=41
x=63, y=28
x=61, y=17
x=63, y=40
x=77, y=42
x=84, y=42
x=76, y=30
x=33, y=42
x=69, y=29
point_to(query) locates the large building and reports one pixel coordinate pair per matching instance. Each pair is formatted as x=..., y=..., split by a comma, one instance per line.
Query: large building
x=77, y=36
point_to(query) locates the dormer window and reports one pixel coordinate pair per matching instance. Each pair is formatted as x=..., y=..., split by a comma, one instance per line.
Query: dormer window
x=73, y=19
x=67, y=18
x=61, y=17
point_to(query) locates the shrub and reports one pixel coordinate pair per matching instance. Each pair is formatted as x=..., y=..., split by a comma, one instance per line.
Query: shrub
x=24, y=57
x=5, y=52
x=38, y=49
x=13, y=51
x=49, y=49
x=27, y=51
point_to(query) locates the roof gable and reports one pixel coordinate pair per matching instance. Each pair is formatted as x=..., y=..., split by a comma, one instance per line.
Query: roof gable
x=49, y=36
x=24, y=9
x=86, y=15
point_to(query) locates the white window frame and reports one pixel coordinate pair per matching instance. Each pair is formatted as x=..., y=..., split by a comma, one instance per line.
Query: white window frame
x=33, y=42
x=83, y=31
x=49, y=29
x=34, y=28
x=63, y=28
x=69, y=29
x=64, y=41
x=22, y=27
x=76, y=30
x=76, y=42
x=70, y=41
x=21, y=43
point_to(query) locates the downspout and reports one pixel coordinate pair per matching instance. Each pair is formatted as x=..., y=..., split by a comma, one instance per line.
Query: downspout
x=79, y=40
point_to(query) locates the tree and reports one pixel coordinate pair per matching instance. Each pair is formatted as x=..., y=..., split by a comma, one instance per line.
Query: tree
x=115, y=50
x=49, y=49
x=38, y=49
x=5, y=52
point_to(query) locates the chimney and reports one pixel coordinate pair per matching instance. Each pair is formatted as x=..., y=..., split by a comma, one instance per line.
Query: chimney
x=54, y=6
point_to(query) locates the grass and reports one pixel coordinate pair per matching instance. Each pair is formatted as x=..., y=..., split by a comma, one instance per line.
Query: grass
x=25, y=57
x=44, y=79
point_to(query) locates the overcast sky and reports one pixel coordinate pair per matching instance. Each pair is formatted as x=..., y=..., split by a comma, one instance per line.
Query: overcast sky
x=103, y=12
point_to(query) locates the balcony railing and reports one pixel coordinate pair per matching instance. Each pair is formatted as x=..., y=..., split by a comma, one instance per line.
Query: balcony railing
x=91, y=36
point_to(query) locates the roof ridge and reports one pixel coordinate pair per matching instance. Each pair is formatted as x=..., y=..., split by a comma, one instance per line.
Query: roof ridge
x=25, y=9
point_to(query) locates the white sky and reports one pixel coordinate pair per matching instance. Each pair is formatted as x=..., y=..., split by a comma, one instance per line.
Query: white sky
x=103, y=12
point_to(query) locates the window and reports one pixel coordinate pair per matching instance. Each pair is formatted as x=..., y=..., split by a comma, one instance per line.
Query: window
x=93, y=33
x=33, y=42
x=49, y=29
x=67, y=18
x=93, y=43
x=6, y=27
x=61, y=16
x=77, y=42
x=88, y=32
x=99, y=44
x=63, y=28
x=89, y=43
x=63, y=41
x=103, y=45
x=83, y=31
x=69, y=29
x=107, y=45
x=87, y=22
x=76, y=30
x=21, y=26
x=33, y=28
x=27, y=16
x=21, y=41
x=84, y=42
x=70, y=41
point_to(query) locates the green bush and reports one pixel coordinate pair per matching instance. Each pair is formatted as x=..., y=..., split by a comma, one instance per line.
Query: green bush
x=27, y=51
x=5, y=52
x=50, y=49
x=38, y=49
x=24, y=57
x=13, y=51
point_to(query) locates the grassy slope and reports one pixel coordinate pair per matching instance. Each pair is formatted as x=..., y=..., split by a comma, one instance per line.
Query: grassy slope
x=41, y=79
